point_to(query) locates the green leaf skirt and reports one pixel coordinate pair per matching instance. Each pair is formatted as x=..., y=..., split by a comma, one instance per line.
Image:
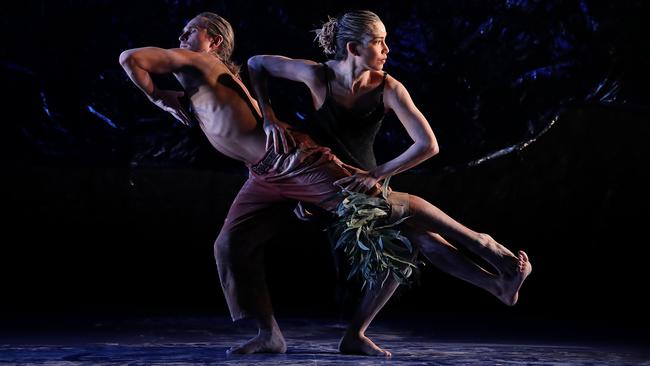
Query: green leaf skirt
x=375, y=249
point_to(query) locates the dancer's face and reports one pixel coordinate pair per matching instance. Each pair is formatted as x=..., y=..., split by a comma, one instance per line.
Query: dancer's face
x=374, y=51
x=195, y=37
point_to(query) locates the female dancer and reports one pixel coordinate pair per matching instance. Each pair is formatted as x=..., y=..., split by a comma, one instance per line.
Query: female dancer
x=351, y=94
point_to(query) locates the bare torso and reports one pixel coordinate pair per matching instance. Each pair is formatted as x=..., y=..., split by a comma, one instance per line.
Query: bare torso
x=226, y=112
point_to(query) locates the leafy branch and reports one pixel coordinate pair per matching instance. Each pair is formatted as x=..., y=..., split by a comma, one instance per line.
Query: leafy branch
x=376, y=250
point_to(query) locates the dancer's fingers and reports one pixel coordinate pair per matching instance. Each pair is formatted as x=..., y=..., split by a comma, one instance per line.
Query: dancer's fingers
x=352, y=169
x=284, y=141
x=276, y=141
x=342, y=181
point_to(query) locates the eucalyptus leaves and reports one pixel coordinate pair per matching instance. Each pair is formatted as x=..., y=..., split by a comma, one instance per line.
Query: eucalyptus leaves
x=375, y=250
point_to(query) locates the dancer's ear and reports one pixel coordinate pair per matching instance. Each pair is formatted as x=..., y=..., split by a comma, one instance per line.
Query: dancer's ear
x=353, y=48
x=216, y=41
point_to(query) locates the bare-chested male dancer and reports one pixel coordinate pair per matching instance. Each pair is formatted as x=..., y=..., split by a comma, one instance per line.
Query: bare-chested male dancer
x=231, y=120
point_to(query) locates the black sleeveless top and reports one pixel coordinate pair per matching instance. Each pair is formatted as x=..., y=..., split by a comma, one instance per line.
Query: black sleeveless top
x=349, y=133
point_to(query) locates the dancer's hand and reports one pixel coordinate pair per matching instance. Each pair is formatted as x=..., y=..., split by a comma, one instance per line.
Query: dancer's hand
x=167, y=100
x=279, y=135
x=356, y=171
x=360, y=181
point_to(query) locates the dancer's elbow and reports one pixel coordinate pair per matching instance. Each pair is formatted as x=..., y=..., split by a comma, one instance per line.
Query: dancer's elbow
x=434, y=148
x=126, y=58
x=430, y=148
x=255, y=62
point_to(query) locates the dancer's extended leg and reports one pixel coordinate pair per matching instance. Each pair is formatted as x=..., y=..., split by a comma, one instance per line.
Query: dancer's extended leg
x=505, y=284
x=510, y=269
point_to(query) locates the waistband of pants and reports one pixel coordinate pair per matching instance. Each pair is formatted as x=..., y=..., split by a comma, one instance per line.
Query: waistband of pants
x=265, y=163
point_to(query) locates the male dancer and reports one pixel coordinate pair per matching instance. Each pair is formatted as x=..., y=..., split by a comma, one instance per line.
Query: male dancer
x=230, y=118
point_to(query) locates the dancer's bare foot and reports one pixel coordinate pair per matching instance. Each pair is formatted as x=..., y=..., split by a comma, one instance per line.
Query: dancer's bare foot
x=510, y=293
x=264, y=342
x=360, y=345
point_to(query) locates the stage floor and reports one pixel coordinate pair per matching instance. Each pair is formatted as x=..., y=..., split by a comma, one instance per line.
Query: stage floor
x=204, y=341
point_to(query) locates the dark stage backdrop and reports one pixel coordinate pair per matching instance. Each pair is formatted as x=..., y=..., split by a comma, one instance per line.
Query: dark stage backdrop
x=541, y=110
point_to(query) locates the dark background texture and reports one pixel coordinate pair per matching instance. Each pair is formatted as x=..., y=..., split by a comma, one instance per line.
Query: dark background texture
x=541, y=109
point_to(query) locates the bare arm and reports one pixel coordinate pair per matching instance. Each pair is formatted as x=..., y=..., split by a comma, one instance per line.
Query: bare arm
x=139, y=63
x=424, y=146
x=259, y=68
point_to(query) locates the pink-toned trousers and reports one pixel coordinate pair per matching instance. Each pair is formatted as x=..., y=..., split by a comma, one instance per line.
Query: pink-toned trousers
x=307, y=174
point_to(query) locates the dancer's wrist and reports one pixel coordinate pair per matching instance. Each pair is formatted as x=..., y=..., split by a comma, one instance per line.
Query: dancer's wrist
x=375, y=174
x=267, y=112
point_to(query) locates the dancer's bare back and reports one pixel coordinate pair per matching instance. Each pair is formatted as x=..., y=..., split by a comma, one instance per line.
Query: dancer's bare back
x=226, y=112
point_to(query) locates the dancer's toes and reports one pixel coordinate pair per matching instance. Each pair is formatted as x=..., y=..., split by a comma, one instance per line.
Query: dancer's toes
x=361, y=345
x=523, y=261
x=262, y=343
x=510, y=293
